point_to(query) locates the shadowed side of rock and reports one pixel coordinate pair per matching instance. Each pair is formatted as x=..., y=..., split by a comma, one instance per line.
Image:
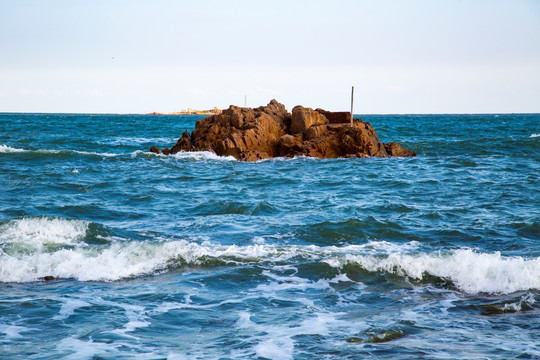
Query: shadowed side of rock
x=270, y=131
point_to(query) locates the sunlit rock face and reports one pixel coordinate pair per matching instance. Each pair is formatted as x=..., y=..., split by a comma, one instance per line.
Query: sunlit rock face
x=251, y=134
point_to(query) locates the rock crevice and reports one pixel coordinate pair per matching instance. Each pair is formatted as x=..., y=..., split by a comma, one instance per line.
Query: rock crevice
x=251, y=134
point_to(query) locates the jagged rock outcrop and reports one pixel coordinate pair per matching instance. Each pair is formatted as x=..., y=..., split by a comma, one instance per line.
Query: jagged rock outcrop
x=304, y=118
x=270, y=131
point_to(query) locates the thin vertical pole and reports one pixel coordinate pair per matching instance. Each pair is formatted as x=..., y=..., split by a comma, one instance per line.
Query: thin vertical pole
x=352, y=104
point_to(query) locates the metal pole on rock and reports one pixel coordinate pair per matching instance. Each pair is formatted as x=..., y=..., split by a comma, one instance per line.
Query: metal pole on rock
x=352, y=103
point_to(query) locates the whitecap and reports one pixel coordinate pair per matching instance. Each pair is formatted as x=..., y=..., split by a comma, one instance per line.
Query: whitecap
x=134, y=140
x=535, y=135
x=201, y=155
x=287, y=159
x=35, y=232
x=526, y=301
x=187, y=155
x=259, y=240
x=93, y=153
x=470, y=271
x=8, y=149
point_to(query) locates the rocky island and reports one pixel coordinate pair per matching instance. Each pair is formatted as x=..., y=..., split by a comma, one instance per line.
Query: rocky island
x=251, y=134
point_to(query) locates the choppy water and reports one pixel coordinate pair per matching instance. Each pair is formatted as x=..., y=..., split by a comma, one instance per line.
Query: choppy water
x=194, y=256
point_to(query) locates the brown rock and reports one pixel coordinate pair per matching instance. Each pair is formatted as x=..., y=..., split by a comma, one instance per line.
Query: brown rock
x=155, y=150
x=394, y=149
x=183, y=144
x=315, y=132
x=304, y=118
x=269, y=131
x=245, y=133
x=287, y=140
x=47, y=278
x=340, y=117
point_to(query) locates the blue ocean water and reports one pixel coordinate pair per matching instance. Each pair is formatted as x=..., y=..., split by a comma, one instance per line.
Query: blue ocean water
x=194, y=256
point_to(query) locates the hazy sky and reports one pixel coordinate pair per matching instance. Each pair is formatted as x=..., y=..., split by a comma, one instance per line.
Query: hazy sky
x=133, y=56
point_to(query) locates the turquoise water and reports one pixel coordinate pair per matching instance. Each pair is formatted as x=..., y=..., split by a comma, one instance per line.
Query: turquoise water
x=194, y=256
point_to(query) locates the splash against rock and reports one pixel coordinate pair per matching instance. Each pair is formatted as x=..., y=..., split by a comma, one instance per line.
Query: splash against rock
x=271, y=131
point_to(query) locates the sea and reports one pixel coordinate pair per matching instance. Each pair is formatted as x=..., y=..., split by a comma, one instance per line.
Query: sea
x=108, y=251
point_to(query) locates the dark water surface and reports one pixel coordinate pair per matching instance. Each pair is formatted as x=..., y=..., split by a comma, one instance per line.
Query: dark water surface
x=194, y=256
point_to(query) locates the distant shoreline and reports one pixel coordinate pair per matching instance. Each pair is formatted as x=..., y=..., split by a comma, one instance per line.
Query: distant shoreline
x=214, y=111
x=200, y=112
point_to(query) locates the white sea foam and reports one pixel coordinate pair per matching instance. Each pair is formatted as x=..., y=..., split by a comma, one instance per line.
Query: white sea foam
x=285, y=283
x=470, y=271
x=258, y=240
x=24, y=257
x=201, y=155
x=8, y=149
x=190, y=155
x=37, y=232
x=136, y=319
x=13, y=331
x=68, y=308
x=94, y=153
x=525, y=301
x=135, y=140
x=535, y=135
x=284, y=158
x=278, y=341
x=80, y=349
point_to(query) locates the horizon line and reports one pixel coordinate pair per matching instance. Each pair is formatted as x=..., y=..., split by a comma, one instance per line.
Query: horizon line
x=170, y=114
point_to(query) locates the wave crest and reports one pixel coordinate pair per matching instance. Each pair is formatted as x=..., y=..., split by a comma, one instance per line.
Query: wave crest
x=34, y=248
x=470, y=271
x=201, y=155
x=8, y=149
x=34, y=233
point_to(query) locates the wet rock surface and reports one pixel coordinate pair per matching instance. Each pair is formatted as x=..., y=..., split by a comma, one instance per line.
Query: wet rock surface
x=251, y=134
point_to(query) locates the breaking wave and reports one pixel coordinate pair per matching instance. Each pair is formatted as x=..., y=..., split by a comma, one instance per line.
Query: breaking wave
x=470, y=271
x=8, y=149
x=194, y=155
x=33, y=248
x=201, y=155
x=35, y=233
x=135, y=140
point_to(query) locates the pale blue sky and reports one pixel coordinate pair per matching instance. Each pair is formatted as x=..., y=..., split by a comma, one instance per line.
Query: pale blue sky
x=444, y=56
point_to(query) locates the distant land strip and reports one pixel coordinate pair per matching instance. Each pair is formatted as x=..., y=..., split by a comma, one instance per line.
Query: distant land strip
x=214, y=111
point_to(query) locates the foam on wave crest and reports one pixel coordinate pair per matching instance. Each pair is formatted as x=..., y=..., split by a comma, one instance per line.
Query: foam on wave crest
x=470, y=271
x=134, y=140
x=187, y=155
x=34, y=233
x=95, y=153
x=192, y=155
x=8, y=149
x=201, y=155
